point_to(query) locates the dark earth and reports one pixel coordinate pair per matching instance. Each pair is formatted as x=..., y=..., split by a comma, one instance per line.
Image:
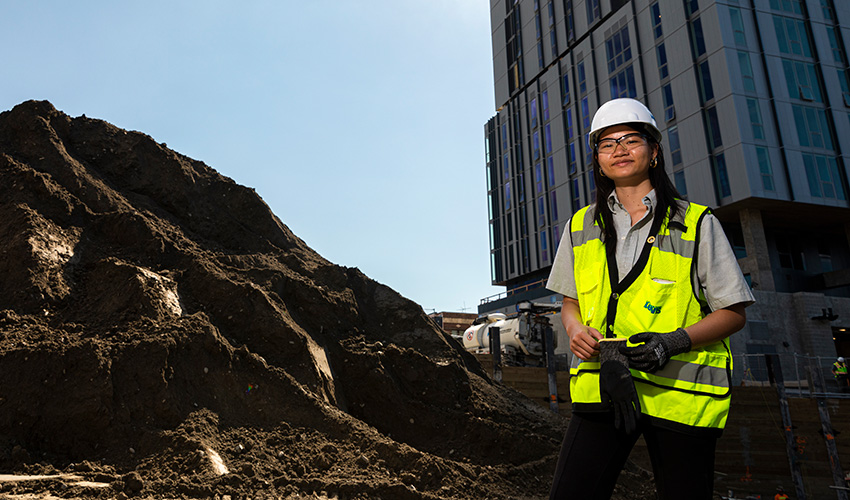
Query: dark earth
x=157, y=319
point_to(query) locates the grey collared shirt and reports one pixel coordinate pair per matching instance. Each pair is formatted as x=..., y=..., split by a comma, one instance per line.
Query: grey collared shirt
x=717, y=276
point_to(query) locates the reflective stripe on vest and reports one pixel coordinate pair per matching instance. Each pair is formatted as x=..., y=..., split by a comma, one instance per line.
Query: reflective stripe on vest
x=693, y=388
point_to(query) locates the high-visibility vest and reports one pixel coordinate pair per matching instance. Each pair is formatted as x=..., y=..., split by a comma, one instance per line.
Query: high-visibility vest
x=692, y=391
x=840, y=367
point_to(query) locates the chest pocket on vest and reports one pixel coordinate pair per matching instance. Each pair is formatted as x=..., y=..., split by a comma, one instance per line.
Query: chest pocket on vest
x=657, y=302
x=589, y=285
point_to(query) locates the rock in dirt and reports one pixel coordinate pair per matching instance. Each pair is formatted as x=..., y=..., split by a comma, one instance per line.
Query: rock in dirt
x=149, y=303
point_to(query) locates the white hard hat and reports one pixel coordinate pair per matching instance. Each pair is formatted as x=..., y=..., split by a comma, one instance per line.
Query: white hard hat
x=622, y=111
x=840, y=360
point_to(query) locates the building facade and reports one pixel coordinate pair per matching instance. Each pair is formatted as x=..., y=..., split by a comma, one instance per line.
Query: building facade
x=753, y=101
x=453, y=323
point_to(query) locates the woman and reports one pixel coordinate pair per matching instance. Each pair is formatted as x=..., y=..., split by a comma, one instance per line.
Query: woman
x=651, y=291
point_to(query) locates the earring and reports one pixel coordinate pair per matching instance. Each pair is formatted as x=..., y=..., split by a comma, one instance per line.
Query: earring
x=654, y=162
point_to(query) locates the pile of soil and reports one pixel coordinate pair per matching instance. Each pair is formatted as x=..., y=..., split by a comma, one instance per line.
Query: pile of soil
x=163, y=333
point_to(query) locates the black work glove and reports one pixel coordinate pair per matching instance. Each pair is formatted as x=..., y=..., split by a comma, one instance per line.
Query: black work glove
x=656, y=350
x=616, y=385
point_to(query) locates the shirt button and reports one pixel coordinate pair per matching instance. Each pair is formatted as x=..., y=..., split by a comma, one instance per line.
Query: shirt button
x=615, y=295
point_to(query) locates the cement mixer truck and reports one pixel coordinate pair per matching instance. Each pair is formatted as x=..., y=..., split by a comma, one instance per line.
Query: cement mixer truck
x=521, y=335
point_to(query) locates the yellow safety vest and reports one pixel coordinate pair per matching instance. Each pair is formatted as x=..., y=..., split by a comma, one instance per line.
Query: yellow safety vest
x=840, y=367
x=692, y=391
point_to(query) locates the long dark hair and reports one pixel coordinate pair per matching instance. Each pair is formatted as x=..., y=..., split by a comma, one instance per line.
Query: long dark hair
x=665, y=192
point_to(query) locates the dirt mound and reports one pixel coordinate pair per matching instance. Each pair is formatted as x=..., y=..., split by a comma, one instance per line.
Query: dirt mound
x=163, y=333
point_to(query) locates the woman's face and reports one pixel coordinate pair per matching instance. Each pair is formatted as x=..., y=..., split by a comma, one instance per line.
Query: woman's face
x=629, y=161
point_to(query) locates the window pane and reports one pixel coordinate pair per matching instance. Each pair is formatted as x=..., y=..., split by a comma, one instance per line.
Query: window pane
x=533, y=110
x=490, y=205
x=550, y=162
x=575, y=195
x=669, y=109
x=802, y=80
x=722, y=176
x=661, y=53
x=553, y=205
x=765, y=169
x=572, y=158
x=541, y=212
x=811, y=175
x=681, y=186
x=755, y=118
x=585, y=113
x=544, y=250
x=824, y=175
x=618, y=85
x=538, y=179
x=656, y=19
x=592, y=10
x=675, y=147
x=520, y=186
x=738, y=26
x=800, y=122
x=535, y=141
x=553, y=44
x=834, y=45
x=714, y=139
x=812, y=127
x=698, y=38
x=842, y=80
x=705, y=82
x=792, y=6
x=792, y=35
x=836, y=179
x=826, y=9
x=746, y=71
x=582, y=78
x=592, y=188
x=630, y=81
x=618, y=51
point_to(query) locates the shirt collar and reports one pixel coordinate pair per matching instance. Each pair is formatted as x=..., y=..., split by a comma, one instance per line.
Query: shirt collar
x=615, y=206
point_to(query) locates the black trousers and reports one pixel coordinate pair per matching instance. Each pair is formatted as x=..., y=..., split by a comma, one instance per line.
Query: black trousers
x=594, y=452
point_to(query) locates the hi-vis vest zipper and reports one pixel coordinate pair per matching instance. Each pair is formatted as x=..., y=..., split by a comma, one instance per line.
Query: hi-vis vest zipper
x=692, y=391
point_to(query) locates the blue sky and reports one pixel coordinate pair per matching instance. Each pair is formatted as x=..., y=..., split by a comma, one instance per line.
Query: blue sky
x=360, y=122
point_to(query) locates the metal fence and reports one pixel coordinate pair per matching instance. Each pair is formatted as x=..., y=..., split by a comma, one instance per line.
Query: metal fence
x=803, y=376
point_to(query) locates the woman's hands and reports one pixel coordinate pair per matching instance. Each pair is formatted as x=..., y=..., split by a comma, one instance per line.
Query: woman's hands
x=584, y=340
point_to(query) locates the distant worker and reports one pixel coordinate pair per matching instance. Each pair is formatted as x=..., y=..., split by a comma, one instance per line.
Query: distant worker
x=839, y=371
x=780, y=494
x=651, y=291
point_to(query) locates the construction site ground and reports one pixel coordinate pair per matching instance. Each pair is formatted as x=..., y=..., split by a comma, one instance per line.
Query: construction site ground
x=752, y=455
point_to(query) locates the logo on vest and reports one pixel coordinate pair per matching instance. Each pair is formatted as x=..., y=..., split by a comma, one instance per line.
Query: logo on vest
x=651, y=308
